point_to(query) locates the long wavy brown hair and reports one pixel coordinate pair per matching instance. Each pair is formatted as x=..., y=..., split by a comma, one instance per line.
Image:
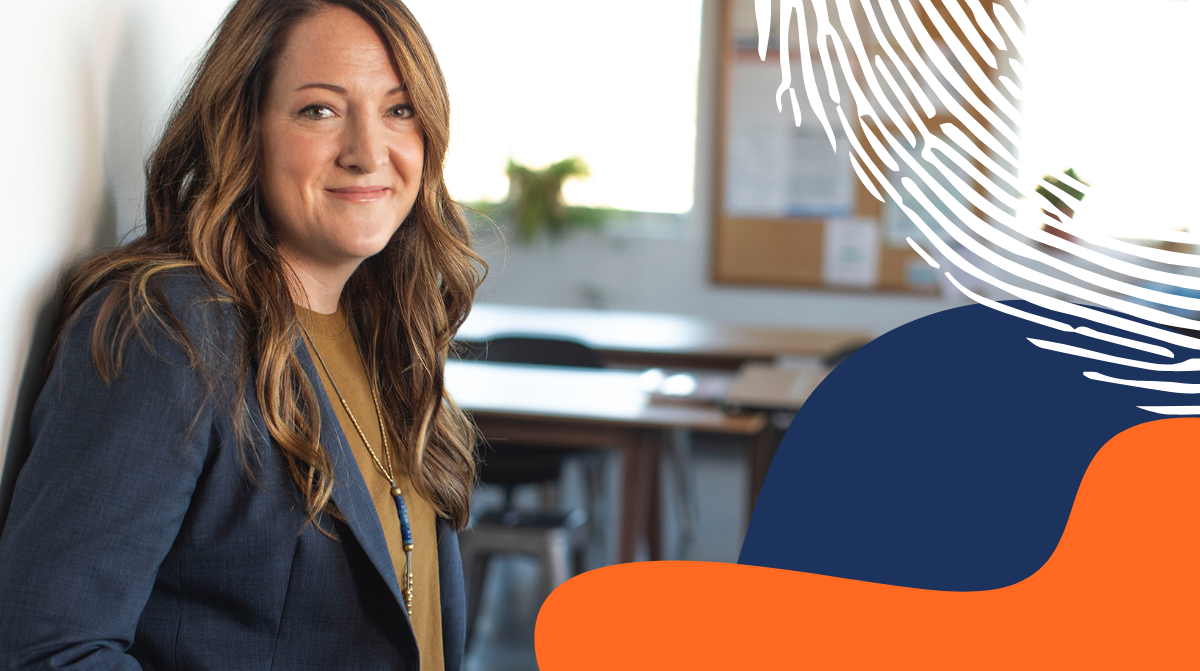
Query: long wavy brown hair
x=204, y=212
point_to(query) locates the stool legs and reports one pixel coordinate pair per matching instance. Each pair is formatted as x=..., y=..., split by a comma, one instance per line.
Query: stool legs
x=555, y=557
x=553, y=546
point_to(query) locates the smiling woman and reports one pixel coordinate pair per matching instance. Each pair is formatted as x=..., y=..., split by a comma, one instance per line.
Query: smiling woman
x=342, y=151
x=244, y=455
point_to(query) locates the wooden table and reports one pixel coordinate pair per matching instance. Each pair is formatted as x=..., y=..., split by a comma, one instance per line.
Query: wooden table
x=597, y=409
x=653, y=339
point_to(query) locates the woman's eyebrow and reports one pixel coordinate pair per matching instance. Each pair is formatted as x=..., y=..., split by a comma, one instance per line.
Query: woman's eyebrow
x=341, y=91
x=318, y=85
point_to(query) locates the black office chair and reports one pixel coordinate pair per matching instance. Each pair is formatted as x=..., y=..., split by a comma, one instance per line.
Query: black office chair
x=557, y=539
x=514, y=464
x=541, y=351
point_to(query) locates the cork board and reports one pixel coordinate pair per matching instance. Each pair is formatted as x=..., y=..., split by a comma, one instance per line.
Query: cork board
x=773, y=231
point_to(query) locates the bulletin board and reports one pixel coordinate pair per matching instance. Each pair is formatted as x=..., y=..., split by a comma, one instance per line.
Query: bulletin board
x=785, y=204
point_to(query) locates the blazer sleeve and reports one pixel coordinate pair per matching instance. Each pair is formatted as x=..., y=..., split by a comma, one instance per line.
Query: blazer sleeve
x=454, y=598
x=100, y=500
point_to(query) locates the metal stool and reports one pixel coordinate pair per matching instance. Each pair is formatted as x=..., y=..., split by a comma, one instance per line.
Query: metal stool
x=556, y=540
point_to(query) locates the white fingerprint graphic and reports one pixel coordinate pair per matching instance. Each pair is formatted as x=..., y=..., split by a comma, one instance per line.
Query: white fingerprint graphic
x=932, y=123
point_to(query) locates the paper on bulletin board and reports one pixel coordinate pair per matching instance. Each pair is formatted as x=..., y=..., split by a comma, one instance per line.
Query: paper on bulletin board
x=850, y=257
x=821, y=182
x=774, y=168
x=897, y=225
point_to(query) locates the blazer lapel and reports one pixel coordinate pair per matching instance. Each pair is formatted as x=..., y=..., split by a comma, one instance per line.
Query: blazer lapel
x=349, y=489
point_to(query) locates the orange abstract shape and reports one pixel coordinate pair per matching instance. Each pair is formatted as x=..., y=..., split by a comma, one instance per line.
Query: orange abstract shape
x=1120, y=591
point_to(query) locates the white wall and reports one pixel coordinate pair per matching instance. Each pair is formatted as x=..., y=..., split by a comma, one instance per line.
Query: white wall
x=88, y=83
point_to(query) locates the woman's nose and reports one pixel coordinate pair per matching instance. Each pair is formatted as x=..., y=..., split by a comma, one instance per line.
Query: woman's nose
x=363, y=148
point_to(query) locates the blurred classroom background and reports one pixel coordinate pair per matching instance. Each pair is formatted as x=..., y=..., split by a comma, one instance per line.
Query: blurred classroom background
x=657, y=98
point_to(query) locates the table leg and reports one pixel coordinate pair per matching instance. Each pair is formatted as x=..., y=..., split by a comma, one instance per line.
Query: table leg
x=654, y=507
x=762, y=451
x=640, y=457
x=684, y=467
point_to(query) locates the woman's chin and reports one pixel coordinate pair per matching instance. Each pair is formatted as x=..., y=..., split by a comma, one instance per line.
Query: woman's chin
x=365, y=249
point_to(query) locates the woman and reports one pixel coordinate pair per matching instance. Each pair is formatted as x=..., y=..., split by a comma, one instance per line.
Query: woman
x=243, y=456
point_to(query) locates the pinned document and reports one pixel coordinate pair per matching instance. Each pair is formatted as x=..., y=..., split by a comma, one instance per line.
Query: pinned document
x=851, y=252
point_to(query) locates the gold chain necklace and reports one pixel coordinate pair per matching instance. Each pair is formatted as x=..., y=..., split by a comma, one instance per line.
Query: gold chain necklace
x=397, y=494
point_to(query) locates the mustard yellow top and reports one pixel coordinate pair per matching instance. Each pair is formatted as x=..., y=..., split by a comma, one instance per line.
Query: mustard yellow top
x=331, y=335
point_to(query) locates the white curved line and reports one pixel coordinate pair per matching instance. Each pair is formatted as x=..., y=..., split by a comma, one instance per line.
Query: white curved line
x=862, y=176
x=1172, y=409
x=972, y=35
x=904, y=102
x=854, y=143
x=1067, y=199
x=1017, y=68
x=806, y=65
x=996, y=236
x=1019, y=6
x=989, y=208
x=1008, y=309
x=1008, y=265
x=825, y=32
x=1073, y=183
x=948, y=100
x=1127, y=342
x=785, y=61
x=1013, y=89
x=959, y=138
x=1041, y=300
x=934, y=53
x=956, y=135
x=978, y=94
x=762, y=16
x=860, y=53
x=1044, y=321
x=1187, y=366
x=1015, y=36
x=1156, y=385
x=873, y=140
x=985, y=23
x=795, y=105
x=922, y=253
x=985, y=84
x=884, y=41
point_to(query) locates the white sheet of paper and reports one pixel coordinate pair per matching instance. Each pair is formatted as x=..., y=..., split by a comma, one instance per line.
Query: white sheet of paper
x=820, y=181
x=774, y=168
x=851, y=252
x=756, y=150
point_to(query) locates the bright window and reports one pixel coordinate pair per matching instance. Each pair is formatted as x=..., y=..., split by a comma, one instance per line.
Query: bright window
x=539, y=80
x=1110, y=91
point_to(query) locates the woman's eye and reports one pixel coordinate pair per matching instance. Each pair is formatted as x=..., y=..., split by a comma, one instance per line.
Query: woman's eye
x=316, y=112
x=403, y=111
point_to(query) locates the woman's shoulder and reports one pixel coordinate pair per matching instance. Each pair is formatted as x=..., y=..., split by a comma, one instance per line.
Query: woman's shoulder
x=172, y=312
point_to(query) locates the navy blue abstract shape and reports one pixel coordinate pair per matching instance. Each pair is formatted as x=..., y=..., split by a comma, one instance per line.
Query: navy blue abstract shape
x=947, y=453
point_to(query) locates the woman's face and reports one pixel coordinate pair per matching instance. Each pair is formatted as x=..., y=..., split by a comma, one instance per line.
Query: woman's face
x=342, y=151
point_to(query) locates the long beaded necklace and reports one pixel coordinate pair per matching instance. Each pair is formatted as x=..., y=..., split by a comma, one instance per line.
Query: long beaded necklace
x=397, y=495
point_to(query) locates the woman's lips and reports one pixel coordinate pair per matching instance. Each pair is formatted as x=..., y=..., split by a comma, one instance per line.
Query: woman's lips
x=359, y=194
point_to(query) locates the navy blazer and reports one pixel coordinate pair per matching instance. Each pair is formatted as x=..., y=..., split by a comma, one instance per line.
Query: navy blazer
x=138, y=539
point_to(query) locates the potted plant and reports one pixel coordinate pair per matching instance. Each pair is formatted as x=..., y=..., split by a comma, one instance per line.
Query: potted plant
x=535, y=205
x=1057, y=202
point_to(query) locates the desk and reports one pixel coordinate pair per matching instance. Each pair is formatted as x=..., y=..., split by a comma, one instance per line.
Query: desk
x=650, y=339
x=599, y=409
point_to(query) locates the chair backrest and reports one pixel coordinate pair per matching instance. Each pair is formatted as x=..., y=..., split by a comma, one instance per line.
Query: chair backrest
x=517, y=464
x=544, y=351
